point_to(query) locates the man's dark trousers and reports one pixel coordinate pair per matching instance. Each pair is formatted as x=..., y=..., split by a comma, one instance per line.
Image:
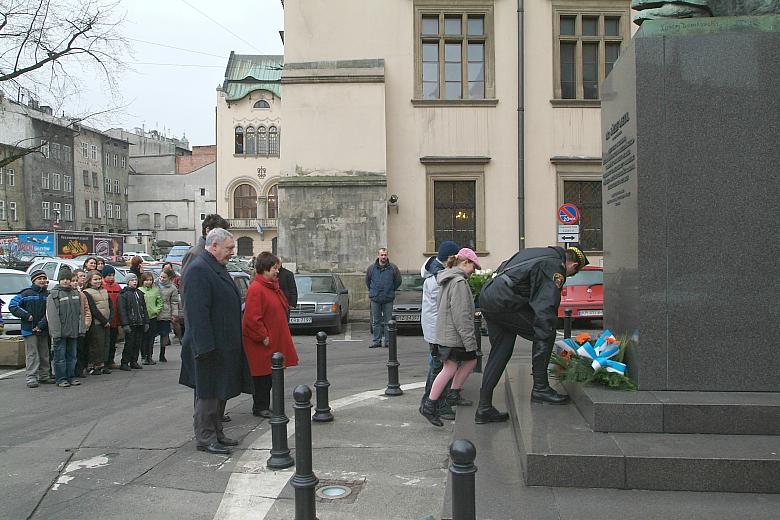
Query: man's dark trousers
x=503, y=329
x=207, y=420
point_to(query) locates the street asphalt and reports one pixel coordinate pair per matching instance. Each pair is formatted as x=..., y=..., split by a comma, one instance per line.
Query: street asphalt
x=120, y=446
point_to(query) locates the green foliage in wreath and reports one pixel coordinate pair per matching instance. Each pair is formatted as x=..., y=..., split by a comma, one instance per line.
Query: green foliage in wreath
x=576, y=369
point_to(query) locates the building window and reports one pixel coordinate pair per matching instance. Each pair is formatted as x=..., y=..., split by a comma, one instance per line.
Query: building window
x=55, y=150
x=96, y=211
x=12, y=211
x=55, y=181
x=46, y=210
x=93, y=151
x=85, y=173
x=262, y=140
x=454, y=53
x=124, y=161
x=11, y=177
x=95, y=180
x=67, y=183
x=239, y=140
x=68, y=216
x=2, y=175
x=45, y=148
x=587, y=44
x=66, y=153
x=88, y=206
x=116, y=186
x=109, y=210
x=273, y=201
x=245, y=246
x=118, y=211
x=273, y=141
x=84, y=150
x=202, y=217
x=57, y=210
x=116, y=159
x=45, y=181
x=261, y=104
x=586, y=195
x=245, y=202
x=108, y=158
x=2, y=210
x=203, y=192
x=143, y=221
x=108, y=185
x=171, y=222
x=250, y=140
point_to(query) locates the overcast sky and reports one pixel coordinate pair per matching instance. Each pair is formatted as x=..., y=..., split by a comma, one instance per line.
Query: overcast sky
x=174, y=89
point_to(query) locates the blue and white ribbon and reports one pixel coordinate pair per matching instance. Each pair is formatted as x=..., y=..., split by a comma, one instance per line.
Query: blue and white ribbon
x=600, y=352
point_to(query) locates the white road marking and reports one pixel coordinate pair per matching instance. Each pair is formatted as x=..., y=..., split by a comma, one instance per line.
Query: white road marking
x=12, y=373
x=348, y=336
x=253, y=488
x=94, y=462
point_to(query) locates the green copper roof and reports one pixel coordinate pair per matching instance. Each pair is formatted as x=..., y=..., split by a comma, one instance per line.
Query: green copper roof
x=246, y=73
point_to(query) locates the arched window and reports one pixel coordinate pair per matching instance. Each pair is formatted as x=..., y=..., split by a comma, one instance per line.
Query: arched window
x=250, y=140
x=273, y=201
x=239, y=140
x=171, y=222
x=245, y=202
x=245, y=246
x=143, y=221
x=273, y=141
x=262, y=104
x=262, y=141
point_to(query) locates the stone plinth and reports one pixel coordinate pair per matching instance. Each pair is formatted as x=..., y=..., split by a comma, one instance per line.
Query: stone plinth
x=691, y=119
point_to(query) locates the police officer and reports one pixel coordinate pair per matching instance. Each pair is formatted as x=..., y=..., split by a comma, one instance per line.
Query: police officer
x=522, y=299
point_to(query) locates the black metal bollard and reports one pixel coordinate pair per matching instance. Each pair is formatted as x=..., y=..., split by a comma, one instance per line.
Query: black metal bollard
x=280, y=454
x=322, y=411
x=478, y=335
x=304, y=481
x=393, y=388
x=462, y=470
x=567, y=323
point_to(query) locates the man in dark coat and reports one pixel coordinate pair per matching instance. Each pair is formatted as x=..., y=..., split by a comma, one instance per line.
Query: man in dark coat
x=212, y=355
x=522, y=299
x=212, y=221
x=382, y=280
x=288, y=287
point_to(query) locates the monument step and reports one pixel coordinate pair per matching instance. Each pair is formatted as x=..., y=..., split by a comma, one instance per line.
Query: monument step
x=728, y=413
x=558, y=448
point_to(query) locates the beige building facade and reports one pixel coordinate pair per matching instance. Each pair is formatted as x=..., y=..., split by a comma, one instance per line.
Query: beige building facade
x=249, y=116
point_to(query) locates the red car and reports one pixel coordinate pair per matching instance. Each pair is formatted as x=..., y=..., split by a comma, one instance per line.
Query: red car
x=583, y=293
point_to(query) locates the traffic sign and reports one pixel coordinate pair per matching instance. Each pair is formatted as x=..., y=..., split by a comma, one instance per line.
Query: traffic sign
x=568, y=213
x=568, y=228
x=568, y=237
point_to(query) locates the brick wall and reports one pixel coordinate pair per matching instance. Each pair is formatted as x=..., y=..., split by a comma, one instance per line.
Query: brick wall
x=201, y=156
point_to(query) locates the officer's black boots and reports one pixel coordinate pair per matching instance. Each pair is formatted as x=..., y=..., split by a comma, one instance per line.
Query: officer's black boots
x=541, y=391
x=430, y=410
x=455, y=399
x=486, y=412
x=548, y=395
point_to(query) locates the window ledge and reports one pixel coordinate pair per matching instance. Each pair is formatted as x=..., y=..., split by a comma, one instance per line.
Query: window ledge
x=576, y=103
x=434, y=253
x=255, y=155
x=454, y=102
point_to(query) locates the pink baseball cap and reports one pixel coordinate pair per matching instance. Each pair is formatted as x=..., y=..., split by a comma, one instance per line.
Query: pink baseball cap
x=468, y=254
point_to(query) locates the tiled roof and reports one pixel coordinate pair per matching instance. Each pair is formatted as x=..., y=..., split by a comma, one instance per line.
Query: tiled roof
x=246, y=73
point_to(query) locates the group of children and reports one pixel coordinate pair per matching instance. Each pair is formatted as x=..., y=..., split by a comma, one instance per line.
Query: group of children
x=81, y=316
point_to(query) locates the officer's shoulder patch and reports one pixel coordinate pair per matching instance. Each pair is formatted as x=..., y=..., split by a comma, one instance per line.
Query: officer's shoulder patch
x=558, y=278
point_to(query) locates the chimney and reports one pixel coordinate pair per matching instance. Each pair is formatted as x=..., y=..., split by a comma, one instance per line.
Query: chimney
x=46, y=109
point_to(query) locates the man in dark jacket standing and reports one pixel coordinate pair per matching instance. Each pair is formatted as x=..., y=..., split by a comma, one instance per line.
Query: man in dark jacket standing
x=382, y=280
x=212, y=221
x=522, y=299
x=212, y=353
x=287, y=285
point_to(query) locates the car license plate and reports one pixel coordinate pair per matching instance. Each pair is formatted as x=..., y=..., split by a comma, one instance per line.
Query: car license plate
x=597, y=312
x=306, y=319
x=407, y=317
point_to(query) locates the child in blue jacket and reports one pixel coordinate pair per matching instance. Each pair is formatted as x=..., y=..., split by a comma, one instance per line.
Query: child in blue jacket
x=30, y=306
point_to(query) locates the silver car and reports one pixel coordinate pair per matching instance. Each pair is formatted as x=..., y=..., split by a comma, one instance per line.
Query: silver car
x=323, y=303
x=12, y=282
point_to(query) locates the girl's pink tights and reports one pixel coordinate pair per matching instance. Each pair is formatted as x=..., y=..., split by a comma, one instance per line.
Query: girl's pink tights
x=451, y=369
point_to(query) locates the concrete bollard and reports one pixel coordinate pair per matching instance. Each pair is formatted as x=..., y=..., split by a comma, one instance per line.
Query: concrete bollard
x=304, y=481
x=393, y=388
x=462, y=471
x=322, y=411
x=280, y=454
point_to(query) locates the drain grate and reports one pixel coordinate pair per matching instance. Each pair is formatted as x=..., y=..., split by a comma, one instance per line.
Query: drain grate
x=341, y=491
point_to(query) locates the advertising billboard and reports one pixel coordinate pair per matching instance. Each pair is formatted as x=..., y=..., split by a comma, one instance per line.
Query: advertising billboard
x=70, y=245
x=107, y=246
x=26, y=245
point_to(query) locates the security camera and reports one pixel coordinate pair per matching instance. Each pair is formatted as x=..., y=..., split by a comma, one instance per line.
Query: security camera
x=393, y=199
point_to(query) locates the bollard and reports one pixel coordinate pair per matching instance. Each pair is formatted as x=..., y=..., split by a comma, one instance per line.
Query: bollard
x=280, y=454
x=393, y=388
x=304, y=481
x=322, y=411
x=462, y=471
x=567, y=323
x=478, y=334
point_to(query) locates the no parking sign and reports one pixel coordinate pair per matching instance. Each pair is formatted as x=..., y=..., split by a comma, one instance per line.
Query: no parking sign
x=568, y=213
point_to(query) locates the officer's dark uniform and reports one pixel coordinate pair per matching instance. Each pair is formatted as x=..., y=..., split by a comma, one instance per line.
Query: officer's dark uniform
x=522, y=300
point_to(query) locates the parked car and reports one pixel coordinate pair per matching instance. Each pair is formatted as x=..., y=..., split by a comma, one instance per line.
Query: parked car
x=53, y=266
x=323, y=303
x=242, y=281
x=176, y=254
x=583, y=293
x=12, y=282
x=144, y=257
x=156, y=268
x=407, y=305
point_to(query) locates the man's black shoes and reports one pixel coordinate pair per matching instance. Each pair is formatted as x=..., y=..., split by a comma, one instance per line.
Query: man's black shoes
x=548, y=396
x=216, y=448
x=375, y=345
x=227, y=441
x=489, y=414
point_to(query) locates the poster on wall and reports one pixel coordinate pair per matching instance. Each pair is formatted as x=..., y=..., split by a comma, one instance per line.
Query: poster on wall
x=26, y=245
x=71, y=245
x=107, y=246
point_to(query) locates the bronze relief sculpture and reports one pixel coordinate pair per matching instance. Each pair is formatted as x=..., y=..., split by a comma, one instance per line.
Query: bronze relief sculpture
x=654, y=9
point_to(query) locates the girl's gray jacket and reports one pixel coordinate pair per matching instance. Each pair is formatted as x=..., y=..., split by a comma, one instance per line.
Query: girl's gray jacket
x=455, y=321
x=170, y=299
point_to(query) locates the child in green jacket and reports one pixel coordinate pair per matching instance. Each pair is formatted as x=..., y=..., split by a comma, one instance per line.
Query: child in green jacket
x=154, y=304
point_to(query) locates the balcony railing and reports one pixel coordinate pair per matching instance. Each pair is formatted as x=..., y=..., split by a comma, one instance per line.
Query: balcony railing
x=251, y=223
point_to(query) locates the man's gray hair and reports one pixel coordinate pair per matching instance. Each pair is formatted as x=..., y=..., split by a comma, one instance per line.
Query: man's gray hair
x=217, y=236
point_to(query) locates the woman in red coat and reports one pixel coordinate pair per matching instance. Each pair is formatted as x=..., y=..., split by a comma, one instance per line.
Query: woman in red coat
x=265, y=330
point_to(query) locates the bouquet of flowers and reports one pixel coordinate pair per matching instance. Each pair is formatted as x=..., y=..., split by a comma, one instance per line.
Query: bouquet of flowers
x=583, y=360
